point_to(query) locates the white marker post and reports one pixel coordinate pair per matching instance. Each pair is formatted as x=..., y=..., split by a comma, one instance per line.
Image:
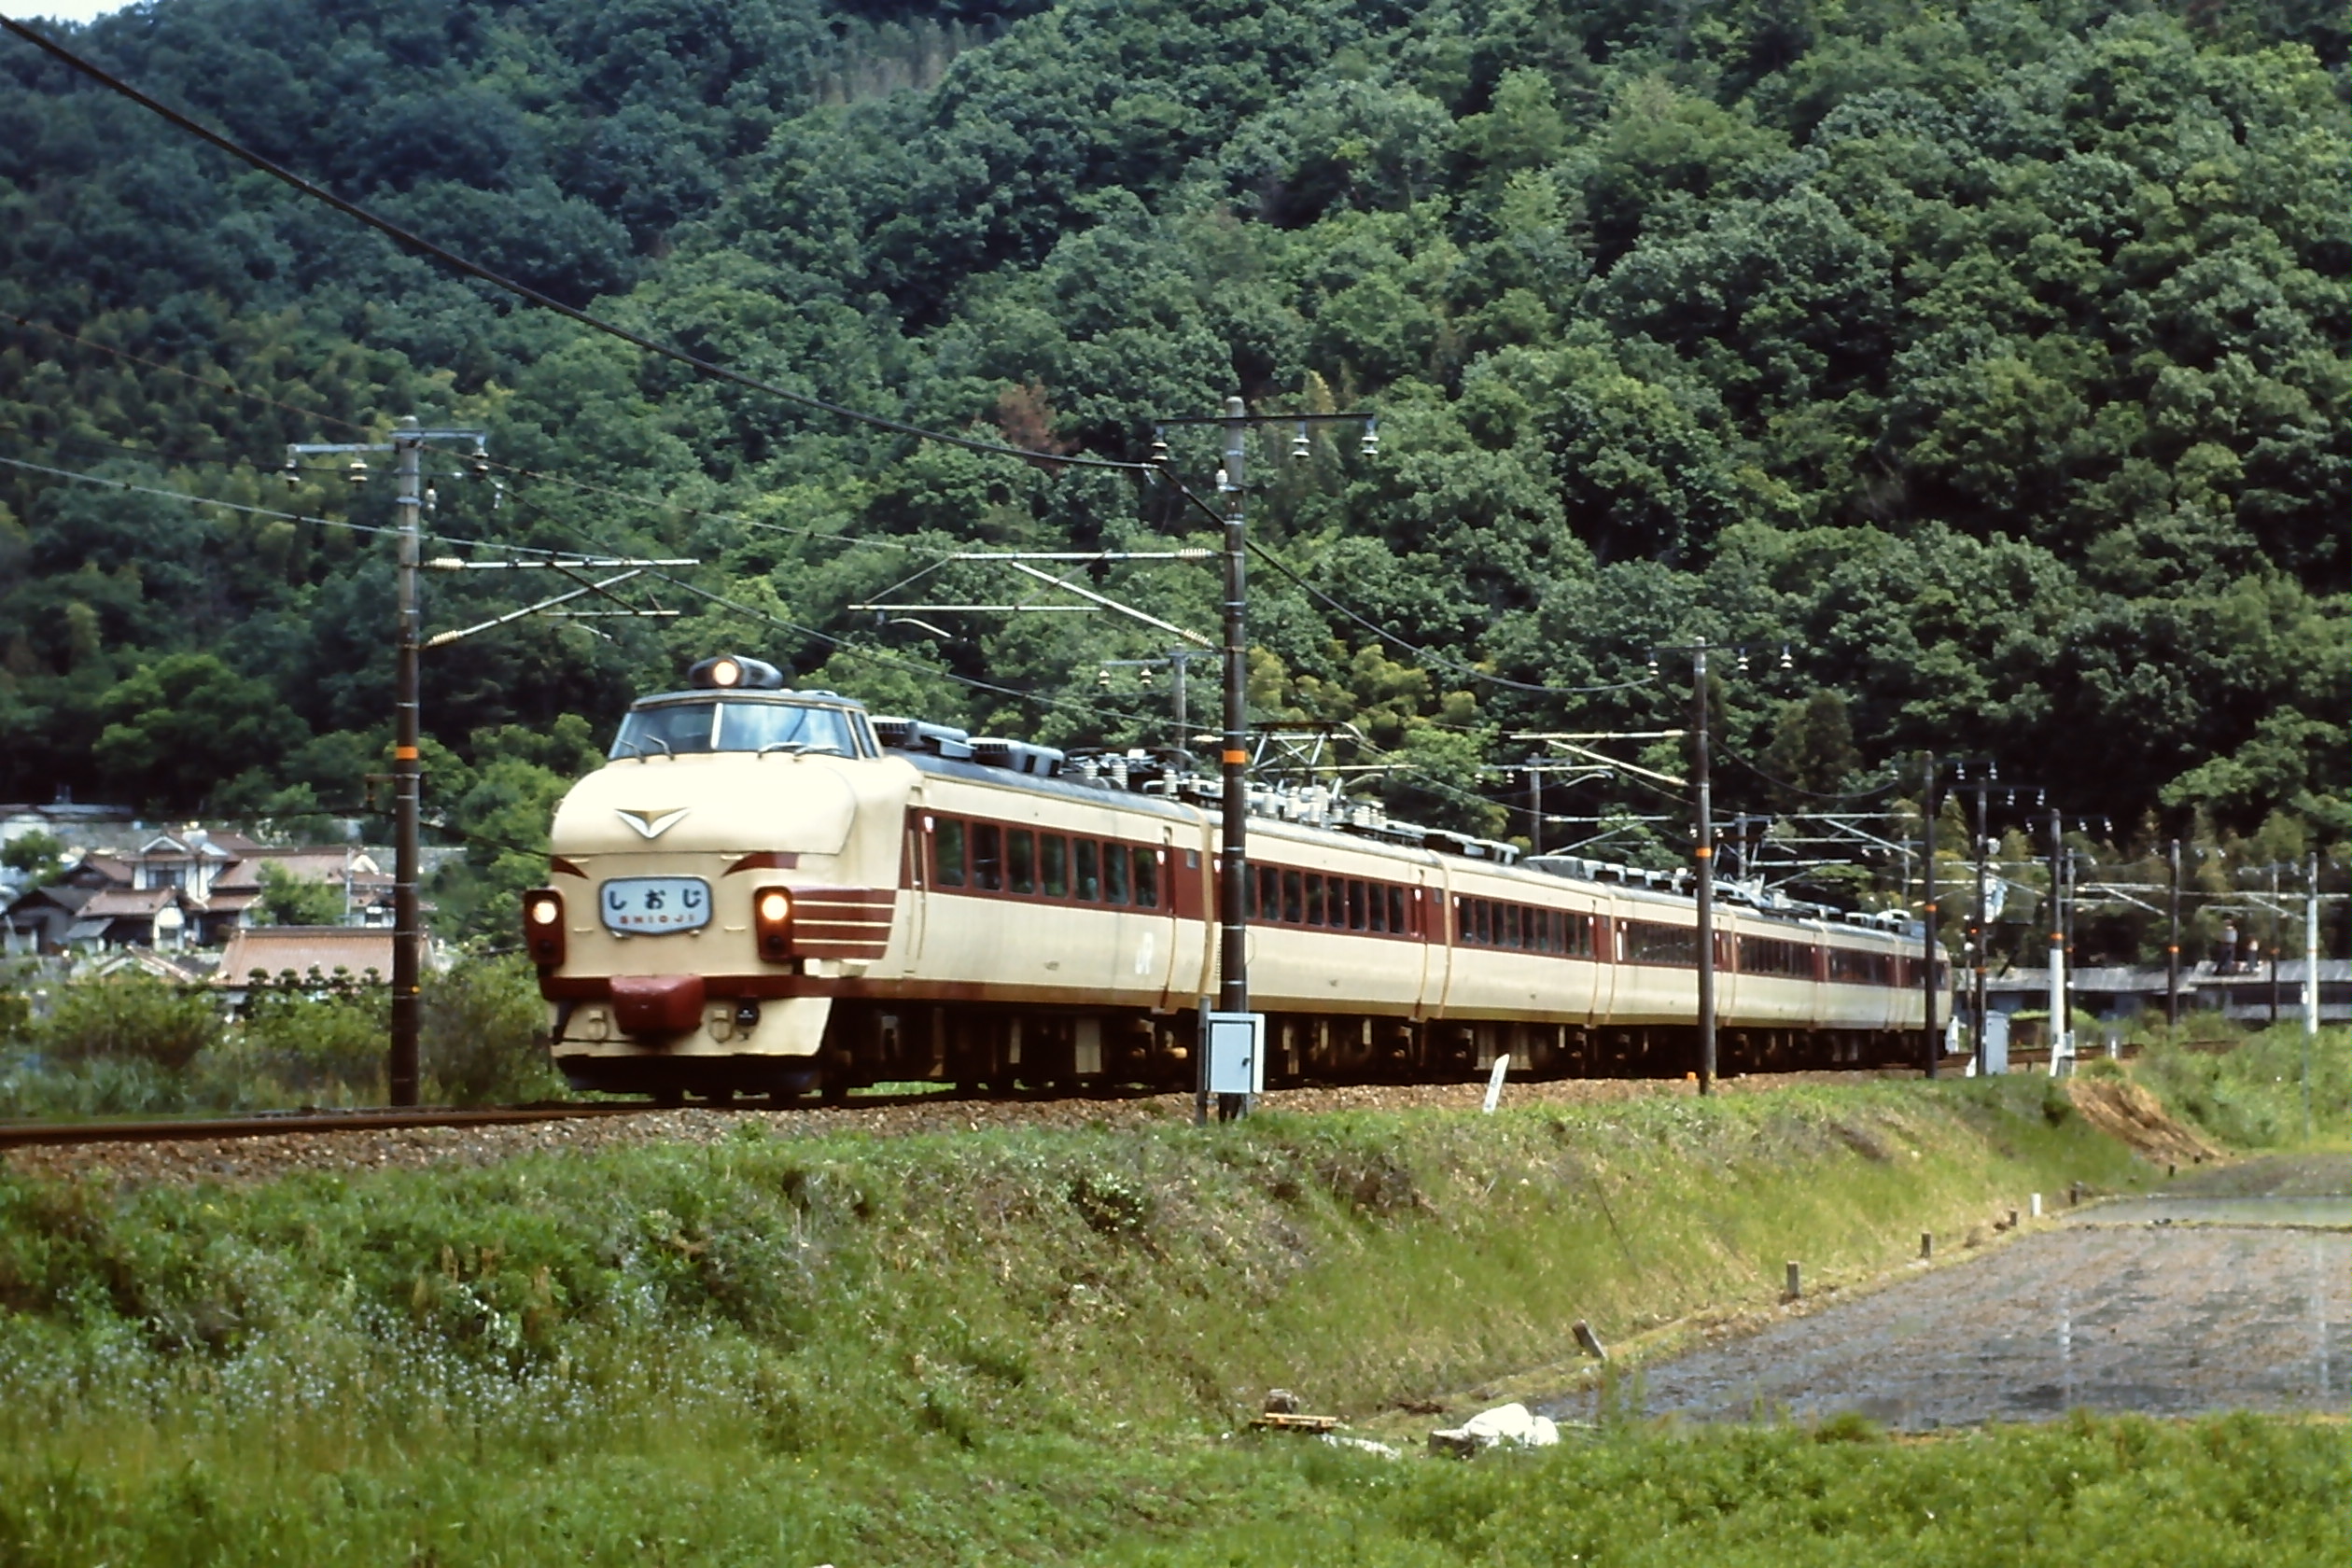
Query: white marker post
x=1494, y=1083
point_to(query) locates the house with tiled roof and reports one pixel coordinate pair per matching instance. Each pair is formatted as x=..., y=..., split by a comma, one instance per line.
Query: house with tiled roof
x=186, y=886
x=300, y=955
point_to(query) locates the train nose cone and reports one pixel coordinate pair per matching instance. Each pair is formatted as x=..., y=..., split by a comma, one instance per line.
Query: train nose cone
x=657, y=1005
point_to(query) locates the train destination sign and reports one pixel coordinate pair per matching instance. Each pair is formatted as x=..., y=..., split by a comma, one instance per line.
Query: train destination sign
x=655, y=905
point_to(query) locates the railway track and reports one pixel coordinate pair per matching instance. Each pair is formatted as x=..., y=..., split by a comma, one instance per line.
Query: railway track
x=279, y=1124
x=274, y=1124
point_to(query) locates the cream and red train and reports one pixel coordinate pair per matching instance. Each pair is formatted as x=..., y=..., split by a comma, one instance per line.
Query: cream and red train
x=767, y=892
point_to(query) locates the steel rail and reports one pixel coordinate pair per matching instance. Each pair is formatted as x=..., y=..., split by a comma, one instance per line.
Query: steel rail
x=268, y=1124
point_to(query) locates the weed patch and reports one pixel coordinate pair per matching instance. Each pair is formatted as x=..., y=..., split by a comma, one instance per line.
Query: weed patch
x=852, y=1338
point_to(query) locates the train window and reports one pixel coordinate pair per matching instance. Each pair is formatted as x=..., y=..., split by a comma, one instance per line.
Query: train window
x=947, y=853
x=1651, y=942
x=1269, y=894
x=988, y=856
x=1396, y=910
x=1085, y=872
x=1314, y=900
x=1355, y=905
x=1294, y=898
x=1115, y=870
x=1146, y=878
x=1053, y=865
x=1020, y=860
x=1515, y=926
x=1375, y=910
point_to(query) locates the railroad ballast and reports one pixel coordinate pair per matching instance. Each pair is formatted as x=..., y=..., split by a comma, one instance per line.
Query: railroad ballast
x=769, y=892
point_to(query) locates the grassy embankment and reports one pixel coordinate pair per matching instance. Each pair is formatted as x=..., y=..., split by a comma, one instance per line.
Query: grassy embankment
x=1024, y=1345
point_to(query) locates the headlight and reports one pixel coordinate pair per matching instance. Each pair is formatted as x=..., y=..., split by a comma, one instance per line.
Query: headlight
x=772, y=923
x=543, y=927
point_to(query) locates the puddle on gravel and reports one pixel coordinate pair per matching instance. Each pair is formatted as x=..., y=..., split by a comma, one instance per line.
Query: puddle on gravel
x=2166, y=1208
x=2168, y=1320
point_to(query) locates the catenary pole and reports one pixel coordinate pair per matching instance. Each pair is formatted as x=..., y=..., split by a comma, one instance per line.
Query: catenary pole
x=1233, y=956
x=2310, y=984
x=1978, y=938
x=2057, y=940
x=2172, y=942
x=407, y=784
x=1703, y=851
x=1928, y=943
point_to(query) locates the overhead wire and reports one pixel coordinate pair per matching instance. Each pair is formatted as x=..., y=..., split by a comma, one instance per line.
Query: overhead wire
x=712, y=370
x=1469, y=671
x=866, y=651
x=475, y=270
x=104, y=482
x=1799, y=789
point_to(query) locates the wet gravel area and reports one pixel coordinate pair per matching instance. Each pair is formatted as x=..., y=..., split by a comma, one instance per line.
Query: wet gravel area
x=266, y=1156
x=2103, y=1312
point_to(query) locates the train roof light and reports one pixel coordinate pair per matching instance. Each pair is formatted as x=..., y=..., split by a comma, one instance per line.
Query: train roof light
x=730, y=672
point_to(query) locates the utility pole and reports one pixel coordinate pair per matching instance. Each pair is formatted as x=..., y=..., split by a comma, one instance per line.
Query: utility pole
x=1703, y=847
x=1232, y=860
x=1930, y=950
x=1233, y=913
x=1703, y=851
x=408, y=934
x=1979, y=936
x=407, y=447
x=2276, y=935
x=2311, y=985
x=2058, y=1017
x=2172, y=944
x=1536, y=818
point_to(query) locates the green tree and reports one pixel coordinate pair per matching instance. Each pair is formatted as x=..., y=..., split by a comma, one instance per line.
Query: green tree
x=179, y=726
x=1811, y=755
x=288, y=899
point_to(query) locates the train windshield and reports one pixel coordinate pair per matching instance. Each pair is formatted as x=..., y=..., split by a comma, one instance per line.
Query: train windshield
x=675, y=729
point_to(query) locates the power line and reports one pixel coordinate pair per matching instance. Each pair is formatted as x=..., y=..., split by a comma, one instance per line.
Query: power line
x=1809, y=795
x=868, y=652
x=450, y=259
x=256, y=511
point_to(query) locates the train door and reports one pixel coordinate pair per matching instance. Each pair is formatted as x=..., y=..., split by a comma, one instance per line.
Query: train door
x=914, y=885
x=1604, y=958
x=1728, y=984
x=1148, y=957
x=1437, y=917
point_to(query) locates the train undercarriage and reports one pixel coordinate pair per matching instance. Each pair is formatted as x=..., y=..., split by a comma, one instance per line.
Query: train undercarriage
x=983, y=1049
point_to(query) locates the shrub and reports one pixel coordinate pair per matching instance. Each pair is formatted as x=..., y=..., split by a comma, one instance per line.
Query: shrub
x=131, y=1018
x=486, y=1033
x=320, y=1047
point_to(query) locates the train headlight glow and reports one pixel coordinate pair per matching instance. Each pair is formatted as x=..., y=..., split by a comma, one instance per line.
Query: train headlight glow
x=543, y=927
x=772, y=923
x=731, y=672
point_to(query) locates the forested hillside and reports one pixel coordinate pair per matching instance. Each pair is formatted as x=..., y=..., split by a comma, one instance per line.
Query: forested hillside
x=1991, y=357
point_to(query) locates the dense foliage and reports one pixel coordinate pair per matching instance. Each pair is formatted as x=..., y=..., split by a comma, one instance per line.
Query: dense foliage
x=1990, y=356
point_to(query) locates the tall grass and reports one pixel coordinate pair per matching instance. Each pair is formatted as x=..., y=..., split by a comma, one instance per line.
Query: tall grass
x=941, y=1350
x=2127, y=1491
x=2252, y=1094
x=135, y=1045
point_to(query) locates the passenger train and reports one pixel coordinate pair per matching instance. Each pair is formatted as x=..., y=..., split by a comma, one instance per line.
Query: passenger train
x=773, y=892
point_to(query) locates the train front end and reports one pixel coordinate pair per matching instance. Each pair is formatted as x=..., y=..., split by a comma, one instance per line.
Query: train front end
x=712, y=884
